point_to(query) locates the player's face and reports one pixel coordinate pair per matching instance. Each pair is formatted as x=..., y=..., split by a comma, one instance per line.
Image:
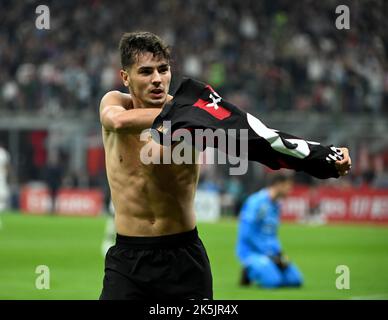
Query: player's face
x=285, y=188
x=149, y=80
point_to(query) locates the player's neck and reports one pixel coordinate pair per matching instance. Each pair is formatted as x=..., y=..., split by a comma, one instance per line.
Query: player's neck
x=143, y=105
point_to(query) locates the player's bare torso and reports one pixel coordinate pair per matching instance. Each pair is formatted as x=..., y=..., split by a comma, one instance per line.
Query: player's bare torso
x=149, y=199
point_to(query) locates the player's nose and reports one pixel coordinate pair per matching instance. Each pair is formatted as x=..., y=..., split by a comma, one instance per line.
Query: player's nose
x=156, y=78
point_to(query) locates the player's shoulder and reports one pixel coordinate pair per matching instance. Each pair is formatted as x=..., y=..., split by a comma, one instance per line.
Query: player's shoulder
x=259, y=197
x=116, y=97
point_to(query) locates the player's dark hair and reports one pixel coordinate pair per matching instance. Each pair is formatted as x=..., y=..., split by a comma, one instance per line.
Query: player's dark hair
x=134, y=43
x=277, y=178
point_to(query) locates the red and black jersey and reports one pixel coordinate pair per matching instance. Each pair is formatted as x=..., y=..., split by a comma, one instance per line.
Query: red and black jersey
x=197, y=106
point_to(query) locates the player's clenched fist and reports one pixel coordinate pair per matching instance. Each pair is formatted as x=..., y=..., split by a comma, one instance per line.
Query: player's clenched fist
x=343, y=166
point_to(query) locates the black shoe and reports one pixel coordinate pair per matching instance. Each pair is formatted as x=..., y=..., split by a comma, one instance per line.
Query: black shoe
x=244, y=280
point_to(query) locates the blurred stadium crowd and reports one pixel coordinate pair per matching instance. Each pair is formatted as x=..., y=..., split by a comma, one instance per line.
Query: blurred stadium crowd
x=264, y=56
x=268, y=55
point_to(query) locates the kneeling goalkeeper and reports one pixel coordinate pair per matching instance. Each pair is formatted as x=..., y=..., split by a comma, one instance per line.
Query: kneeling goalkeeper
x=258, y=247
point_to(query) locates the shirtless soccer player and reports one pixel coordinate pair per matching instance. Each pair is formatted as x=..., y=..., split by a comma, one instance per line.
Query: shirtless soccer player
x=158, y=254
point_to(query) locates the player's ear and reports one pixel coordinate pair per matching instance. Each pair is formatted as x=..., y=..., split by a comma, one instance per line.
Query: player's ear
x=125, y=77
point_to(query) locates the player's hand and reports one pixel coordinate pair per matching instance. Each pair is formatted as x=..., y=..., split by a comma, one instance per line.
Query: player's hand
x=343, y=166
x=281, y=260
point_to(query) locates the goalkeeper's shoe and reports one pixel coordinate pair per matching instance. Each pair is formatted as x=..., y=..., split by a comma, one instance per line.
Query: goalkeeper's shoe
x=244, y=280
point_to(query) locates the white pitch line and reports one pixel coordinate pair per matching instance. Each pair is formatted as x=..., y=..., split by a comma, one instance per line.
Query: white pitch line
x=380, y=296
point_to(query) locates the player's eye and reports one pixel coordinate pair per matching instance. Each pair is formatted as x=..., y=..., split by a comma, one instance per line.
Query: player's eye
x=163, y=69
x=145, y=71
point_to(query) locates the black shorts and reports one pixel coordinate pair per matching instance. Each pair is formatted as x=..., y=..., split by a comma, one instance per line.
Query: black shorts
x=171, y=267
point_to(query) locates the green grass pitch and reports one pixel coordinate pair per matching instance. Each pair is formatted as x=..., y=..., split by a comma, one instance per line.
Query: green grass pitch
x=71, y=248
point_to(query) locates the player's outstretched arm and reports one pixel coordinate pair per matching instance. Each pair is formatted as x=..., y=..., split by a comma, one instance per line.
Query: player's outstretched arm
x=195, y=107
x=117, y=114
x=321, y=162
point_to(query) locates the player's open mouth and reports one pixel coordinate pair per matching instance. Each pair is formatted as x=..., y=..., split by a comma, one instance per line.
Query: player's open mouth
x=158, y=93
